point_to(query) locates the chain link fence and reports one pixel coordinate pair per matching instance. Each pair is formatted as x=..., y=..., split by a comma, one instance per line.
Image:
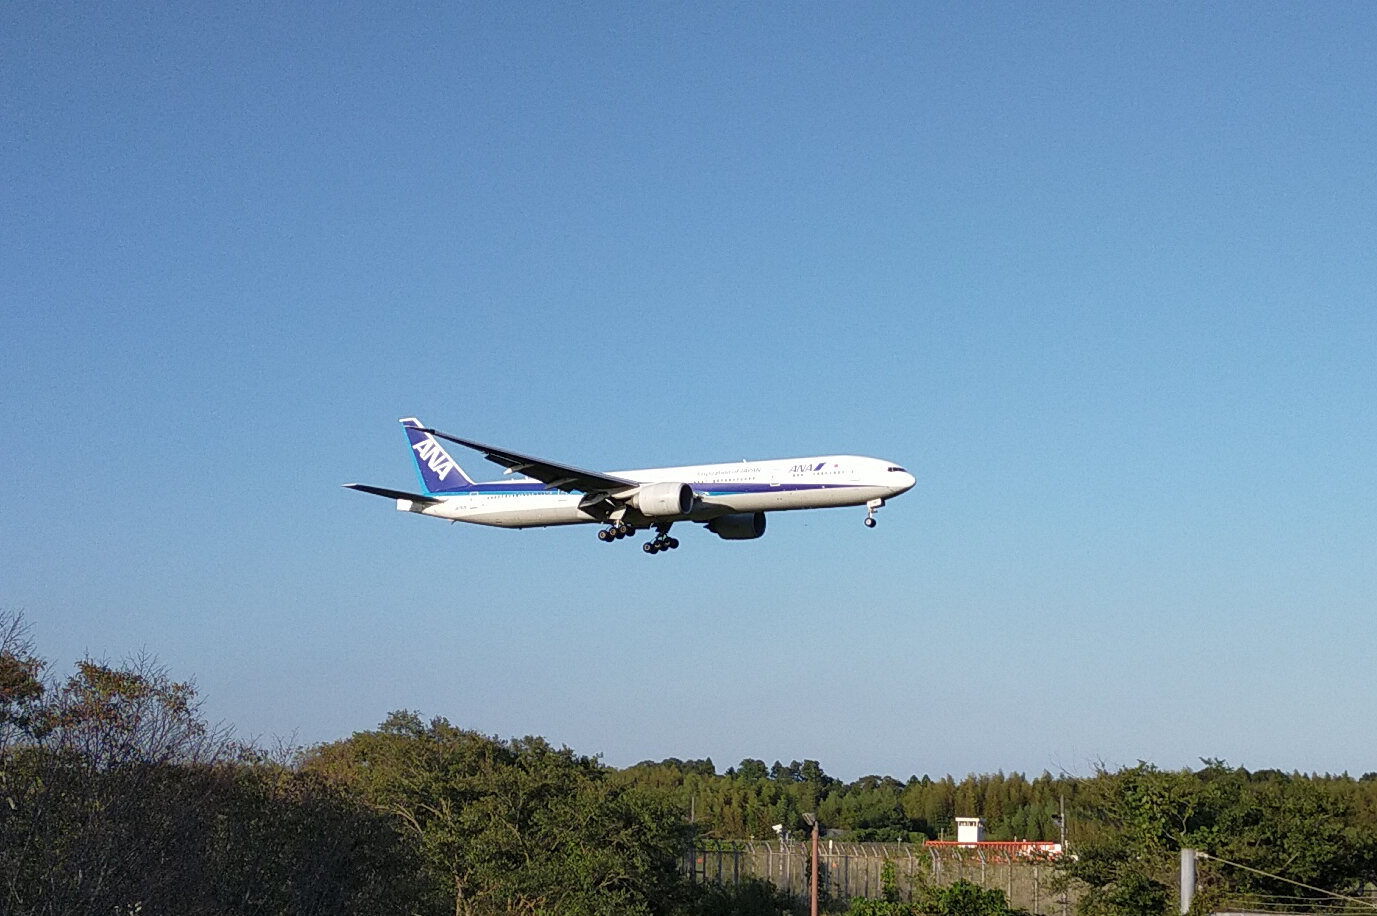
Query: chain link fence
x=847, y=870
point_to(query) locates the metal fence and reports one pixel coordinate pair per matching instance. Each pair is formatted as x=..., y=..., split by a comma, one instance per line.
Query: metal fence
x=1362, y=902
x=847, y=870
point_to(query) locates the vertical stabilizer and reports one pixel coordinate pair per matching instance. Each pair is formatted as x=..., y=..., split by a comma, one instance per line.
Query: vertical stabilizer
x=438, y=471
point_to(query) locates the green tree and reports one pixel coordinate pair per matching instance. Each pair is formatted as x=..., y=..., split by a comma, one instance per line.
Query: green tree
x=1306, y=829
x=961, y=898
x=749, y=897
x=116, y=797
x=515, y=826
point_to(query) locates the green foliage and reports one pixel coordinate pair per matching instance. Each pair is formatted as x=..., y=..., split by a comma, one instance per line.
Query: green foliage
x=747, y=800
x=295, y=844
x=750, y=897
x=21, y=684
x=1131, y=893
x=1312, y=829
x=514, y=826
x=116, y=796
x=178, y=838
x=961, y=898
x=867, y=906
x=889, y=882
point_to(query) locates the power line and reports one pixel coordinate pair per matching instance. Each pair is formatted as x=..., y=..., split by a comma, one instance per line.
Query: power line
x=1267, y=874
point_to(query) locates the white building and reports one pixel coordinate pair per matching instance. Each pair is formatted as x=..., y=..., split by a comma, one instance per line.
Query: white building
x=970, y=830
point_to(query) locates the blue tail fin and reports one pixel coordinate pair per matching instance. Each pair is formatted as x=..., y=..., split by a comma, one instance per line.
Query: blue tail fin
x=438, y=471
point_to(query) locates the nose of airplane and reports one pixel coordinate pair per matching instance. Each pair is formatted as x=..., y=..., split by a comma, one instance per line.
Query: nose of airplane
x=906, y=482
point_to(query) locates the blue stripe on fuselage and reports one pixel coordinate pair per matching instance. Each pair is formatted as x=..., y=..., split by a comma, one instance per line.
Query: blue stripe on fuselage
x=498, y=488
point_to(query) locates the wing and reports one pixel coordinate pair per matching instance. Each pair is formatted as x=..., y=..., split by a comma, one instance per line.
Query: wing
x=555, y=476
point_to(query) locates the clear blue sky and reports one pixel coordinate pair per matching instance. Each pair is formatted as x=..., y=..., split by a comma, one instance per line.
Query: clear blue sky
x=1102, y=276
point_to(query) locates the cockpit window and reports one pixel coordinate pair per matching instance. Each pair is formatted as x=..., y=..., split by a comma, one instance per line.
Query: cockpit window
x=895, y=467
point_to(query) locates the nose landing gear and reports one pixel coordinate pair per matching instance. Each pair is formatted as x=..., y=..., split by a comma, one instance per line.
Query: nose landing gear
x=870, y=508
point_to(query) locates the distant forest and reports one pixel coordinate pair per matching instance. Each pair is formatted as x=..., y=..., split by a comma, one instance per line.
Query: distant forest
x=749, y=798
x=117, y=797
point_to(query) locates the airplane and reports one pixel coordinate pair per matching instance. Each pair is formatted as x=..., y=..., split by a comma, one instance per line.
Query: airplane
x=730, y=500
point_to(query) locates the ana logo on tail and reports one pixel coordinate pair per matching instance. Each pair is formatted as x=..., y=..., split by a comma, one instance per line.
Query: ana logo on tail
x=435, y=457
x=433, y=463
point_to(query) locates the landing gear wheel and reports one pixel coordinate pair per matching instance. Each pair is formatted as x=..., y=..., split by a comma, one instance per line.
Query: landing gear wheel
x=661, y=542
x=605, y=534
x=870, y=506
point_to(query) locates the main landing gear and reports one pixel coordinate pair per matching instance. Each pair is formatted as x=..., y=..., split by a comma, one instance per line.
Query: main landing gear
x=870, y=508
x=619, y=530
x=615, y=532
x=663, y=542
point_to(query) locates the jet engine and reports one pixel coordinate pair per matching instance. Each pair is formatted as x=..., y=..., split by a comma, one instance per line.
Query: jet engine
x=740, y=526
x=661, y=500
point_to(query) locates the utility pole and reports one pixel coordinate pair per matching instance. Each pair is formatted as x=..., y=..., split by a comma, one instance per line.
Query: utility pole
x=1187, y=880
x=812, y=821
x=1061, y=819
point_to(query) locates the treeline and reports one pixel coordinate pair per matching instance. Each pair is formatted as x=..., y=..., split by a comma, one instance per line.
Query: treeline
x=117, y=797
x=1273, y=836
x=750, y=798
x=1278, y=839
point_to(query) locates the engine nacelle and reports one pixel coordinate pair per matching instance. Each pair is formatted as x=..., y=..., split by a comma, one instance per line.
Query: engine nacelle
x=740, y=526
x=661, y=500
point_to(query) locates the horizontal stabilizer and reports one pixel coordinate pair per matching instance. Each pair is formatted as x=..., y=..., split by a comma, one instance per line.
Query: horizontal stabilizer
x=393, y=494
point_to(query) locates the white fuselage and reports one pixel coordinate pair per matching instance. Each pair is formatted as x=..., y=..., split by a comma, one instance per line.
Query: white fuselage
x=720, y=489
